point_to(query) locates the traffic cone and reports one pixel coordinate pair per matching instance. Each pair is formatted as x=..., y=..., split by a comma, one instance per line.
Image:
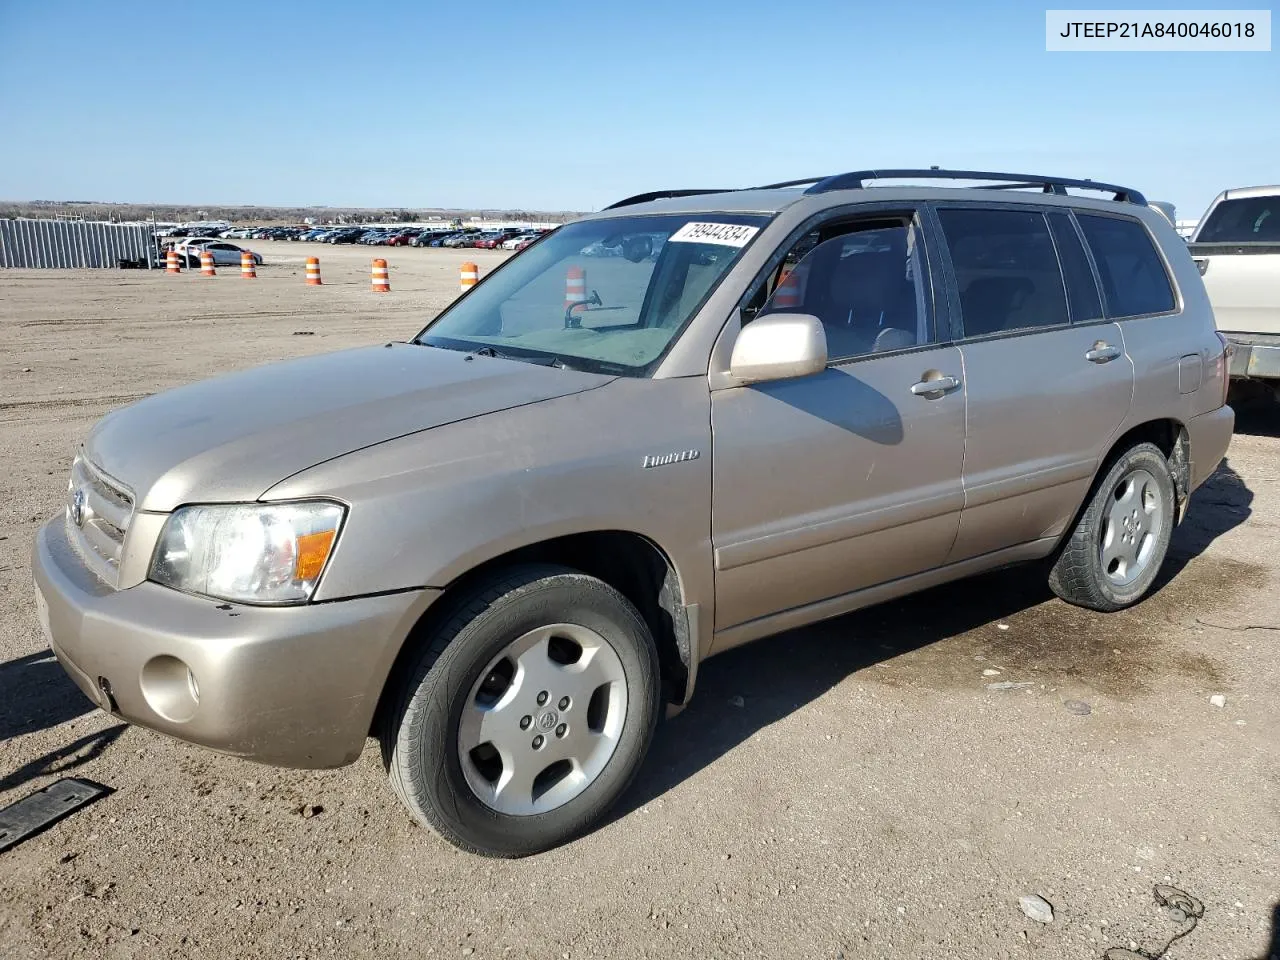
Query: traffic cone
x=381, y=279
x=171, y=262
x=789, y=292
x=470, y=276
x=575, y=287
x=313, y=271
x=248, y=268
x=206, y=264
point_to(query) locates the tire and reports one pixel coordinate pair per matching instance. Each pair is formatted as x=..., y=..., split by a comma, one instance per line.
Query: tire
x=1115, y=552
x=434, y=712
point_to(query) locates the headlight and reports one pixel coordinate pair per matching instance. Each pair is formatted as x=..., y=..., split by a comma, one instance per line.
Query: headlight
x=249, y=553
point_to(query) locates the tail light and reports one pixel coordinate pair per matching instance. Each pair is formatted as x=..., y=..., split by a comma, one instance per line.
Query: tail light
x=1224, y=364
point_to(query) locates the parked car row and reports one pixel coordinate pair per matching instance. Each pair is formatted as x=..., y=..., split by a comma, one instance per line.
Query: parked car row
x=224, y=254
x=509, y=238
x=645, y=246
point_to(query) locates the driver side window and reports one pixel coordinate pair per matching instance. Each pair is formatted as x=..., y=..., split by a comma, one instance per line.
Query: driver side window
x=863, y=280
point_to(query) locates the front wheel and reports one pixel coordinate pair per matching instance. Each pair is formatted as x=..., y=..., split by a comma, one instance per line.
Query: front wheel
x=526, y=715
x=1119, y=543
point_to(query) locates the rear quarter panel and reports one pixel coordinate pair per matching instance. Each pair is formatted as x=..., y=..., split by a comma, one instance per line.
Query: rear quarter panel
x=1179, y=368
x=1169, y=349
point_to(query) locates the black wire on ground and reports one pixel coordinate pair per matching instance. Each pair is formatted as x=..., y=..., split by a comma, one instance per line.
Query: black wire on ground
x=1181, y=906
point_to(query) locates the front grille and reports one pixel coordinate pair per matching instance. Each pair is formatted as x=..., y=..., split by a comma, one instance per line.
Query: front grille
x=98, y=513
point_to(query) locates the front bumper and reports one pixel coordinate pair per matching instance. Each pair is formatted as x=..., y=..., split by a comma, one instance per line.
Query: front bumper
x=1254, y=356
x=291, y=686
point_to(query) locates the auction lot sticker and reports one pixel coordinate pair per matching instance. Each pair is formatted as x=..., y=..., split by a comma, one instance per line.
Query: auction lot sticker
x=1158, y=30
x=728, y=234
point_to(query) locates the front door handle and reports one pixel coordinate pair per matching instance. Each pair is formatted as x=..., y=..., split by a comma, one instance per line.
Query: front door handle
x=1102, y=352
x=937, y=386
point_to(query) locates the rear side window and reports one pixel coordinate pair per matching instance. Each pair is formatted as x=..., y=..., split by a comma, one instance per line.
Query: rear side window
x=1133, y=277
x=1246, y=220
x=1006, y=269
x=1082, y=289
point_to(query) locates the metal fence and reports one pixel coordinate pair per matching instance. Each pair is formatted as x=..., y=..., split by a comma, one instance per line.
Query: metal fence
x=74, y=243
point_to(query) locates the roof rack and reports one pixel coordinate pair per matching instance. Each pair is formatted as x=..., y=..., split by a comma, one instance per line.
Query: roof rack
x=1007, y=181
x=854, y=181
x=661, y=195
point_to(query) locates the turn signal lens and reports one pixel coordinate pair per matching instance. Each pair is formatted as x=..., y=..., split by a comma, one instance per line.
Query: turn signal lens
x=1202, y=266
x=313, y=553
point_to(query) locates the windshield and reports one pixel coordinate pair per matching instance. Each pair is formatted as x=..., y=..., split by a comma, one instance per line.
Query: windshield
x=606, y=296
x=1246, y=220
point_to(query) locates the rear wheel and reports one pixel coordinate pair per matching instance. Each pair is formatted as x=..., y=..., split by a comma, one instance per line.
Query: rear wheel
x=527, y=714
x=1119, y=543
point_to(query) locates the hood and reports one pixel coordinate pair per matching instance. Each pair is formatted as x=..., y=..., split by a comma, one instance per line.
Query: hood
x=234, y=437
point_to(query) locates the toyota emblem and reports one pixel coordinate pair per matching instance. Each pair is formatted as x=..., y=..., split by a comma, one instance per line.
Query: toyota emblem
x=77, y=507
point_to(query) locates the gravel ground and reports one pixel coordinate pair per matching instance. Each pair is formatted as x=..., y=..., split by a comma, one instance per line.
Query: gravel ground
x=854, y=789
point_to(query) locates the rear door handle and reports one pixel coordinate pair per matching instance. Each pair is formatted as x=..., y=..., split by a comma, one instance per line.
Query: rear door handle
x=1102, y=353
x=927, y=388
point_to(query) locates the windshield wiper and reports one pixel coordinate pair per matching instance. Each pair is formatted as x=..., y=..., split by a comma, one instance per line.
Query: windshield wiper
x=550, y=360
x=545, y=361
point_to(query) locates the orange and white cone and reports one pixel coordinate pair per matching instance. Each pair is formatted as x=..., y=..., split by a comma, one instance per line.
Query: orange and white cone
x=470, y=276
x=248, y=269
x=789, y=292
x=381, y=279
x=206, y=264
x=313, y=271
x=575, y=287
x=171, y=262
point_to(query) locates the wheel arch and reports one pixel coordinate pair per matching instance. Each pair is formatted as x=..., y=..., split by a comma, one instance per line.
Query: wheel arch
x=631, y=563
x=1170, y=436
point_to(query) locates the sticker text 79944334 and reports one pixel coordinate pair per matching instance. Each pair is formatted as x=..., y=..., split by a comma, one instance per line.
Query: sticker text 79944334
x=727, y=234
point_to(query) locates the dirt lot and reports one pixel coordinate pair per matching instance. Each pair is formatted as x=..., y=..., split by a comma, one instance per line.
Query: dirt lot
x=853, y=789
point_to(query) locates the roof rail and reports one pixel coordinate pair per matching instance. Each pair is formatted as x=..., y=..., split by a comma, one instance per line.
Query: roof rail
x=788, y=183
x=853, y=181
x=1047, y=187
x=661, y=195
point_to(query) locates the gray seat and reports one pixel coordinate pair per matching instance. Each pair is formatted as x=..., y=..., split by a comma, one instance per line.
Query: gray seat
x=988, y=303
x=870, y=304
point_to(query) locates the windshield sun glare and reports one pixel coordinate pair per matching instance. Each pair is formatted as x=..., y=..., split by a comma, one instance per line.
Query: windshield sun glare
x=607, y=296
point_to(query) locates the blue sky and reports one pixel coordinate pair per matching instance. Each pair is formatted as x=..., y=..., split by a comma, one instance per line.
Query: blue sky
x=567, y=105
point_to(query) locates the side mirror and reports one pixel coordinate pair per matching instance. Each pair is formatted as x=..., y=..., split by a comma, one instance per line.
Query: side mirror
x=779, y=346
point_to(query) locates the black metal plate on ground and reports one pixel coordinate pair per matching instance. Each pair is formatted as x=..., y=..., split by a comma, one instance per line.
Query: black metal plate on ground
x=42, y=809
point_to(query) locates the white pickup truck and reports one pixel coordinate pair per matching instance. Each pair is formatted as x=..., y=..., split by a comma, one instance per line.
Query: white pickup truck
x=1237, y=248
